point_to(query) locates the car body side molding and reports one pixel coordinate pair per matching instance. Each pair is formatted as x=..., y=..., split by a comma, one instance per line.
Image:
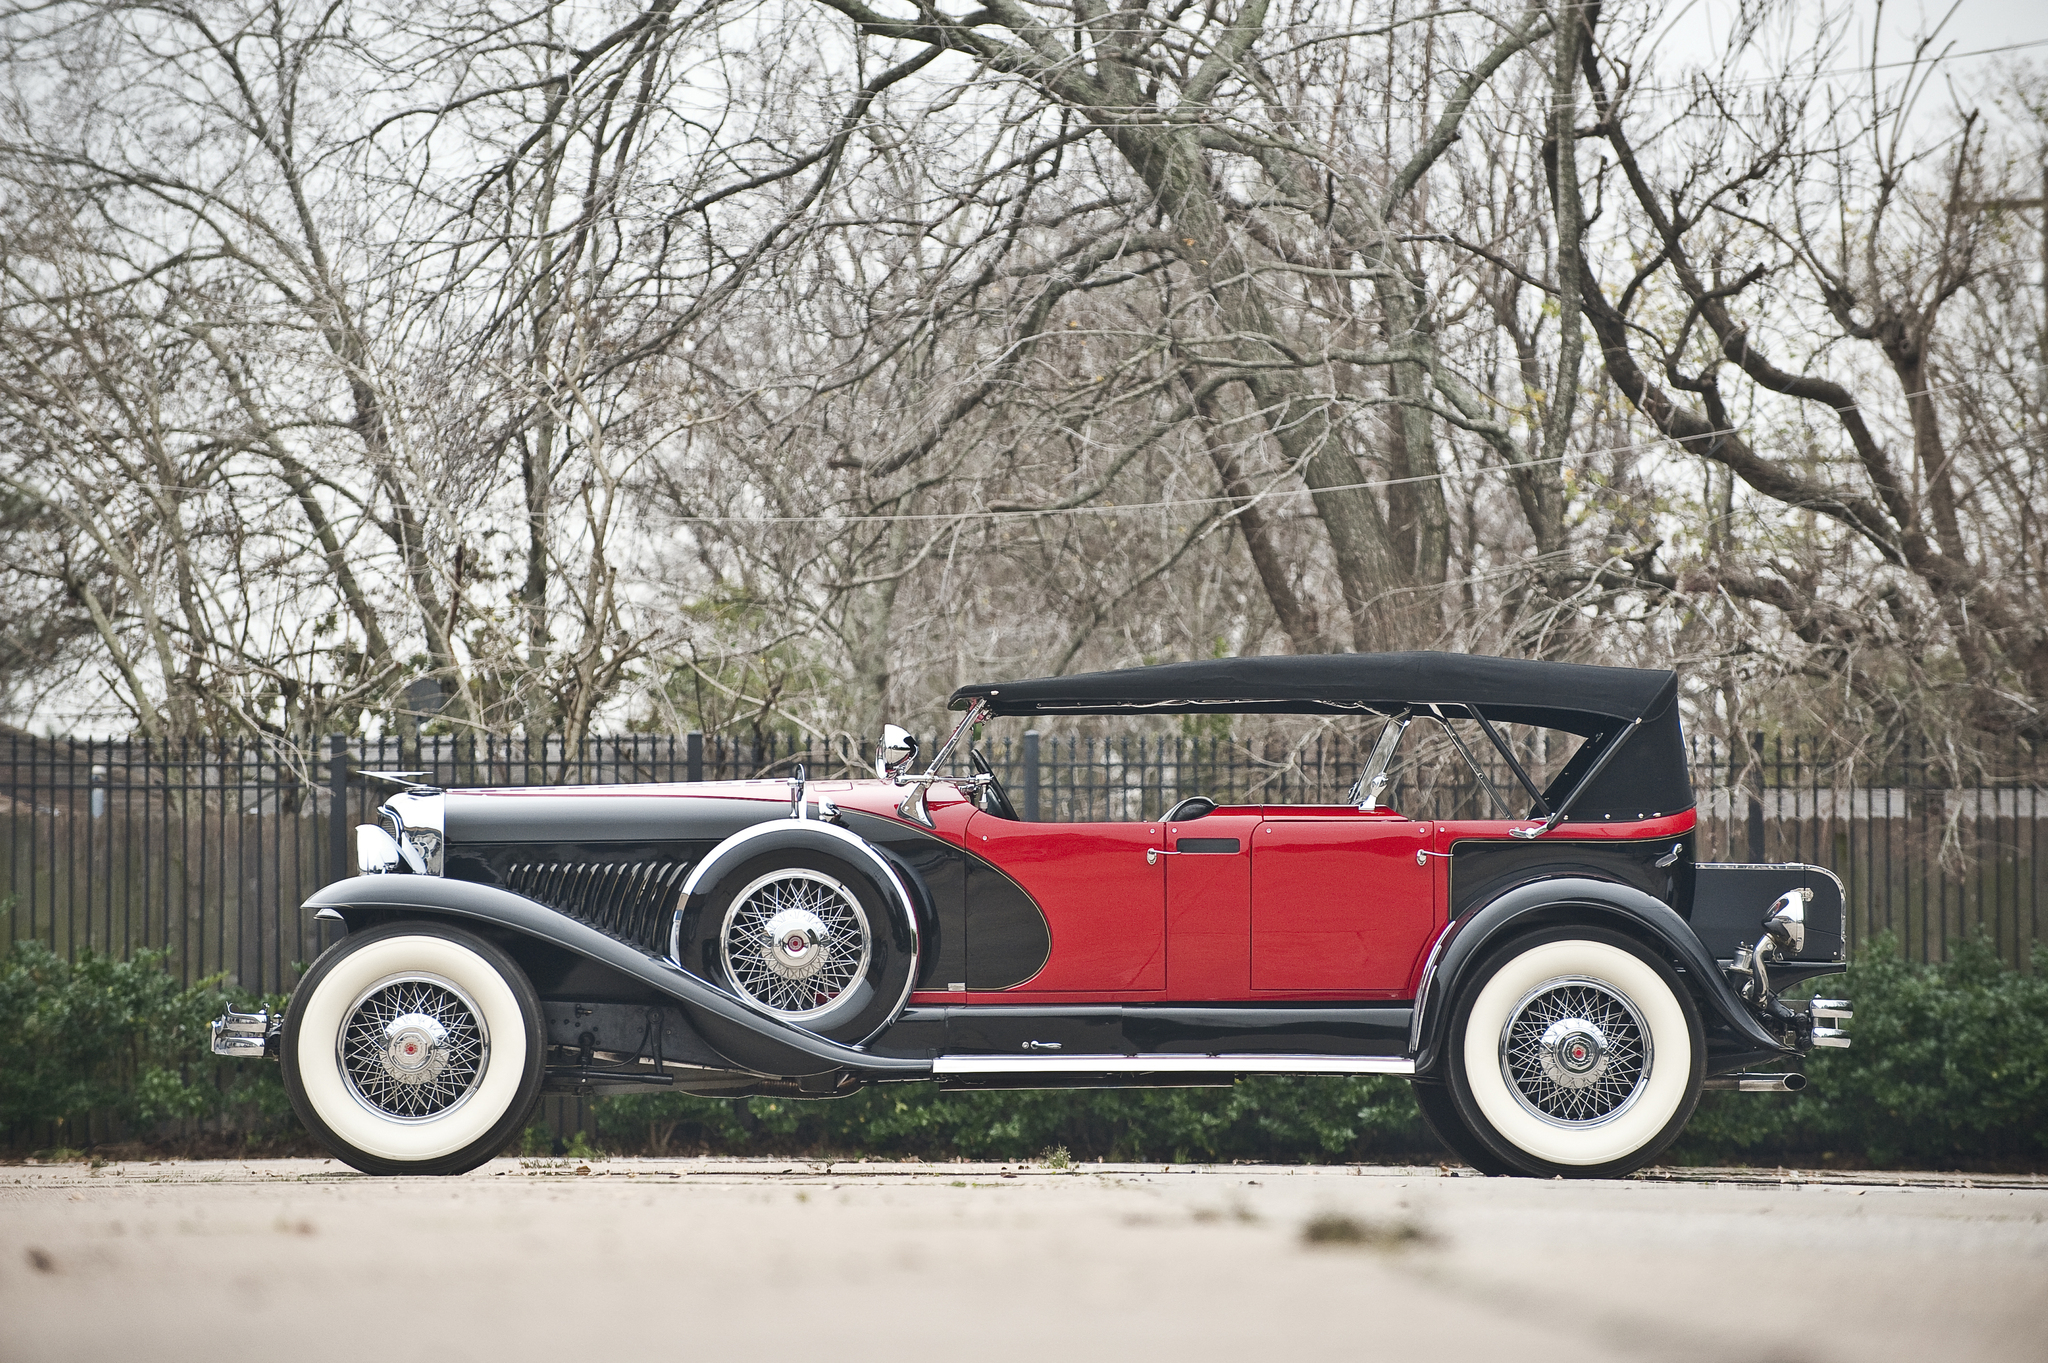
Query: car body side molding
x=748, y=1039
x=1567, y=899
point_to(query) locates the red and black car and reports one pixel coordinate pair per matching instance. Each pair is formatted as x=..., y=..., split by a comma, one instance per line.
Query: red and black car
x=1559, y=985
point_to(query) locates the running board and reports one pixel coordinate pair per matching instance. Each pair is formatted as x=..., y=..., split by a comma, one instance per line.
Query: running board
x=1173, y=1064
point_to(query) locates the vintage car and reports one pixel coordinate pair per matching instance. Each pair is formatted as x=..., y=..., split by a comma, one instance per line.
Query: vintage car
x=1559, y=987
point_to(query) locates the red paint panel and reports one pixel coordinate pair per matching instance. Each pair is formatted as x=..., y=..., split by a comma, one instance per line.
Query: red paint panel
x=1340, y=903
x=1209, y=908
x=1105, y=905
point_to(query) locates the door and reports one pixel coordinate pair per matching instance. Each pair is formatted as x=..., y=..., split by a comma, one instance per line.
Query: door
x=1103, y=897
x=1209, y=906
x=1341, y=902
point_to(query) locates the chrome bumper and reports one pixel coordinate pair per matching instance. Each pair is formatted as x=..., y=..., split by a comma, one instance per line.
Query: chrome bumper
x=250, y=1036
x=1835, y=1010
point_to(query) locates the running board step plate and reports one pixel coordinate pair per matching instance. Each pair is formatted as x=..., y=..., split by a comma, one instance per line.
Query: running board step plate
x=1173, y=1064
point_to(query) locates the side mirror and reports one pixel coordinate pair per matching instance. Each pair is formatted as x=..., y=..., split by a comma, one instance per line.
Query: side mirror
x=376, y=850
x=897, y=752
x=1786, y=920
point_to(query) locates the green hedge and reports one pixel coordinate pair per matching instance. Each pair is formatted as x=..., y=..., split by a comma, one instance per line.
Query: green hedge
x=104, y=1049
x=1950, y=1068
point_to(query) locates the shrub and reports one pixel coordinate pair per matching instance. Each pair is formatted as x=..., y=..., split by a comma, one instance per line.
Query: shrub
x=1950, y=1067
x=106, y=1044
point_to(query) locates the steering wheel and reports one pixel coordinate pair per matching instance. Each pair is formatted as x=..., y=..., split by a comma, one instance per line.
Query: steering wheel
x=994, y=799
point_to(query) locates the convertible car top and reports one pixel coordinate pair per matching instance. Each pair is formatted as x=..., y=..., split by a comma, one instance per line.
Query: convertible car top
x=1560, y=982
x=1610, y=706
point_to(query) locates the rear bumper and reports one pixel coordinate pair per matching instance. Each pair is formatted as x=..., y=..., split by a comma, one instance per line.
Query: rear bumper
x=247, y=1036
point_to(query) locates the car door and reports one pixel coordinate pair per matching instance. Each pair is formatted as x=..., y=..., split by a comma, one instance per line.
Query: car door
x=1343, y=900
x=1209, y=905
x=1102, y=888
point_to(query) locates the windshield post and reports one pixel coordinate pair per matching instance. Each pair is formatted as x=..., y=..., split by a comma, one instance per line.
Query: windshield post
x=1374, y=778
x=913, y=806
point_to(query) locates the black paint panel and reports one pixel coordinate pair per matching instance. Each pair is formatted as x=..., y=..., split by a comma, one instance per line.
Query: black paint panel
x=1728, y=909
x=1482, y=871
x=1008, y=939
x=610, y=817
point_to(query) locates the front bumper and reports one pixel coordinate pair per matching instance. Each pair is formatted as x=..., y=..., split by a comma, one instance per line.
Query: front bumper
x=248, y=1036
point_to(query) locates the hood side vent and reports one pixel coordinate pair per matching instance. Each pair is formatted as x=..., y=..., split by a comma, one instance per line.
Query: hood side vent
x=630, y=900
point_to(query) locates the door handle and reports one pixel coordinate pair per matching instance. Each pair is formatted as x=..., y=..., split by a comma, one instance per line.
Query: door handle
x=1422, y=856
x=1153, y=854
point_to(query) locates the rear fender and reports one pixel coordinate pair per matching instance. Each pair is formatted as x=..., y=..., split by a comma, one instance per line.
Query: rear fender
x=747, y=1039
x=1571, y=899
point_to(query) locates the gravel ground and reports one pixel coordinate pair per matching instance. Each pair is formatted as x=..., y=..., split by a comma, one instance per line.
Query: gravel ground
x=550, y=1259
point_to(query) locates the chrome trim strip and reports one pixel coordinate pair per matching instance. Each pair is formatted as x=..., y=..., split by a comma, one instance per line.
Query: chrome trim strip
x=1422, y=990
x=1173, y=1064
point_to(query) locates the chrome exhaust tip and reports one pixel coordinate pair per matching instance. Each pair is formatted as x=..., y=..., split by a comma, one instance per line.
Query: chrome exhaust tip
x=1756, y=1083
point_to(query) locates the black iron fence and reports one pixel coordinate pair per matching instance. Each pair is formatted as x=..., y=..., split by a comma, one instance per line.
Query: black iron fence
x=201, y=848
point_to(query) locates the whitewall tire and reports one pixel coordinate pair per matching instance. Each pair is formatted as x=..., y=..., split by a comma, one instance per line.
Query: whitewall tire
x=1576, y=1052
x=413, y=1048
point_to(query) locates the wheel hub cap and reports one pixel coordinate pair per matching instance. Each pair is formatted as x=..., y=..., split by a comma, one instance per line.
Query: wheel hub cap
x=796, y=947
x=417, y=1049
x=1574, y=1053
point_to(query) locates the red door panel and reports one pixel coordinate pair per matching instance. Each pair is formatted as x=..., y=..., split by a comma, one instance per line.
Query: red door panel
x=1209, y=906
x=1339, y=902
x=1104, y=902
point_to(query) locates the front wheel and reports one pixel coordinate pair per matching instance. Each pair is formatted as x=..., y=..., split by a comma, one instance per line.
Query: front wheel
x=1575, y=1052
x=413, y=1048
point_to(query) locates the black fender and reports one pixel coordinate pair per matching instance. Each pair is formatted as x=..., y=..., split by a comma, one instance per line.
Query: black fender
x=749, y=1040
x=1571, y=899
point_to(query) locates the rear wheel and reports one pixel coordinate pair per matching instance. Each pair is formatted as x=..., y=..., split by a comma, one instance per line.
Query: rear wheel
x=1575, y=1052
x=1440, y=1115
x=413, y=1049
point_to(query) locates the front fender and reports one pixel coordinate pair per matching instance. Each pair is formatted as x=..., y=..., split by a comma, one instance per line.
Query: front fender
x=1570, y=899
x=746, y=1038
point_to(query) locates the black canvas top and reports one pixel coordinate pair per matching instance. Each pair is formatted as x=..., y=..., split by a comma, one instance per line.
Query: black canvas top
x=1605, y=705
x=1568, y=696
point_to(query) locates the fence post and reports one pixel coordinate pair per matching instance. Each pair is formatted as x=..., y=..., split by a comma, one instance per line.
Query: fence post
x=338, y=859
x=1756, y=804
x=693, y=760
x=1031, y=775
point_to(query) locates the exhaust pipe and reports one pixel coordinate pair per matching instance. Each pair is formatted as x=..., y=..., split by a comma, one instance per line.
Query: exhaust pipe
x=1757, y=1083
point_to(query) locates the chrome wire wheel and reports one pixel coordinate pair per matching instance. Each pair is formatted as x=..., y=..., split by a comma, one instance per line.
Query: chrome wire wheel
x=793, y=941
x=1575, y=1052
x=413, y=1047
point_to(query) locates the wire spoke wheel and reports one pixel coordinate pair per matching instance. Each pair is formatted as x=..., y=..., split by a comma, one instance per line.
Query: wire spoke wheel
x=1575, y=1052
x=795, y=940
x=413, y=1047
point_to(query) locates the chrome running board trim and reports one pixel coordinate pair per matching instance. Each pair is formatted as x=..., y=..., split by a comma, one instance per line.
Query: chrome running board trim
x=1174, y=1064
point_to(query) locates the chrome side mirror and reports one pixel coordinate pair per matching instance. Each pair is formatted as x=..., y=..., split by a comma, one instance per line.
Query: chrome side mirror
x=898, y=751
x=376, y=850
x=1785, y=922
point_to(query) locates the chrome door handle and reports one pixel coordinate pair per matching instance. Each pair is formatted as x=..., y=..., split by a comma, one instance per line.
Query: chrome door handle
x=1423, y=854
x=1153, y=854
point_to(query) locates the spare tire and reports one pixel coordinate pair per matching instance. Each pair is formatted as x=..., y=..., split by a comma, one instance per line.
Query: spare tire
x=807, y=938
